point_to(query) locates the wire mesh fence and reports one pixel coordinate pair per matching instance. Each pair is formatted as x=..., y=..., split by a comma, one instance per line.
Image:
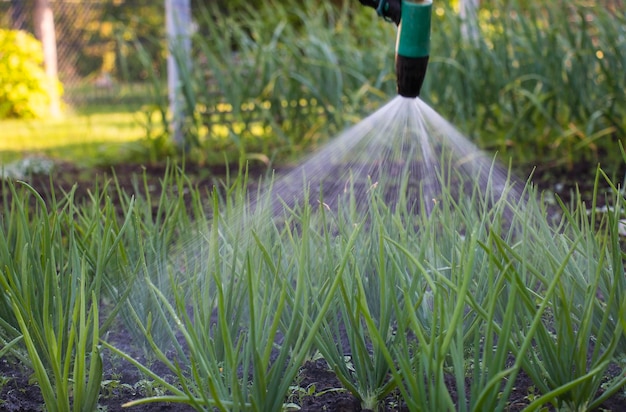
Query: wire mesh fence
x=96, y=40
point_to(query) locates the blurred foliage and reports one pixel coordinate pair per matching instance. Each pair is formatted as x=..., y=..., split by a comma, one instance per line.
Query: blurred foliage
x=542, y=82
x=140, y=21
x=230, y=6
x=24, y=85
x=283, y=77
x=107, y=33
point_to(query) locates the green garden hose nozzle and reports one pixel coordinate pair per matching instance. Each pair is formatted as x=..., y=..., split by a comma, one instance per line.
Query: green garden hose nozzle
x=413, y=46
x=413, y=41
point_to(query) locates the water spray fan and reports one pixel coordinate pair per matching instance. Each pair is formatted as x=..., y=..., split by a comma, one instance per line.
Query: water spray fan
x=413, y=42
x=404, y=154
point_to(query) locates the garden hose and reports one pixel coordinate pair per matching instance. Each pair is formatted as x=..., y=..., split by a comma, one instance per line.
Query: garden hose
x=413, y=46
x=413, y=42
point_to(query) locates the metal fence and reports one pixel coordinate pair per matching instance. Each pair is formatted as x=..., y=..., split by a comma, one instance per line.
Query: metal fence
x=97, y=62
x=97, y=44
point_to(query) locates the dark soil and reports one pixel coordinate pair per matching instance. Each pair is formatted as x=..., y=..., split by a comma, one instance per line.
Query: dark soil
x=322, y=391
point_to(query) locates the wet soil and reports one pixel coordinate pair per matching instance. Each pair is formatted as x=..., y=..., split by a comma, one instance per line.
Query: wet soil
x=320, y=390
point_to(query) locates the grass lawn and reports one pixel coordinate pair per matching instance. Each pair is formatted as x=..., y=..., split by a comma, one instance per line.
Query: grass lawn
x=90, y=132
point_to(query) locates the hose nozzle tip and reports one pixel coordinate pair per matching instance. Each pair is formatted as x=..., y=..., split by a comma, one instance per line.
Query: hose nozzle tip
x=410, y=73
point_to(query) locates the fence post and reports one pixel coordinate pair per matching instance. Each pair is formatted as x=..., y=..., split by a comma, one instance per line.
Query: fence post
x=469, y=19
x=178, y=26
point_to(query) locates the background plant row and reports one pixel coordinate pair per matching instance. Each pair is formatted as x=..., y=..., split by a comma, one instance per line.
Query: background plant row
x=541, y=82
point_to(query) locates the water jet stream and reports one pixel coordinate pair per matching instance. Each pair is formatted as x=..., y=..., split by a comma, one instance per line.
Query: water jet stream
x=407, y=152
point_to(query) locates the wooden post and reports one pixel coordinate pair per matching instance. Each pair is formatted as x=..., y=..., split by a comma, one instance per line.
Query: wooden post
x=469, y=19
x=178, y=27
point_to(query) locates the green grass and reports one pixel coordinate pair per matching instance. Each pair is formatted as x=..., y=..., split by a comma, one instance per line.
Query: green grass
x=79, y=136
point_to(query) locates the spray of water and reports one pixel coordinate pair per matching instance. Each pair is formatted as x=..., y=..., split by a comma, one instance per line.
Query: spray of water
x=405, y=153
x=408, y=153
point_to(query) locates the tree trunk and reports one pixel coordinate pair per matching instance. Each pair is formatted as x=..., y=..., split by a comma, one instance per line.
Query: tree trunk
x=44, y=30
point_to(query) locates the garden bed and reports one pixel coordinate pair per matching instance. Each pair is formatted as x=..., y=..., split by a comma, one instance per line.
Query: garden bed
x=316, y=388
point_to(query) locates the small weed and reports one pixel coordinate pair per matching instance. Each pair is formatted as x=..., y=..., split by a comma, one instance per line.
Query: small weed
x=4, y=380
x=111, y=387
x=149, y=388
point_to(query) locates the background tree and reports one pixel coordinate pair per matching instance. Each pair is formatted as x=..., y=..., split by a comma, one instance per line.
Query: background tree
x=44, y=31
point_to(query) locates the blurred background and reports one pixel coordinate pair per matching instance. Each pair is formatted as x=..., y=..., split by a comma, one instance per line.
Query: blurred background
x=267, y=81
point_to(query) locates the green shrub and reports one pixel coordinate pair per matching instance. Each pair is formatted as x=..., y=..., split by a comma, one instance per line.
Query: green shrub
x=24, y=91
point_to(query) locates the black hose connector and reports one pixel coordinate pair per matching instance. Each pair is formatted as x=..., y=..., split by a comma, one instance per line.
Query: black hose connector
x=410, y=74
x=390, y=10
x=413, y=18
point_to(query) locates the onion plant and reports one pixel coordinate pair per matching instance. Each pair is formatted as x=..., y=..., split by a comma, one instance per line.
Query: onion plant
x=365, y=298
x=539, y=79
x=451, y=305
x=537, y=76
x=238, y=315
x=51, y=285
x=156, y=225
x=277, y=77
x=579, y=338
x=469, y=297
x=441, y=310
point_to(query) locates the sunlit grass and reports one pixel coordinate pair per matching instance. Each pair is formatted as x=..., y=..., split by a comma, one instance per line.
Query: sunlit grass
x=73, y=129
x=102, y=131
x=94, y=135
